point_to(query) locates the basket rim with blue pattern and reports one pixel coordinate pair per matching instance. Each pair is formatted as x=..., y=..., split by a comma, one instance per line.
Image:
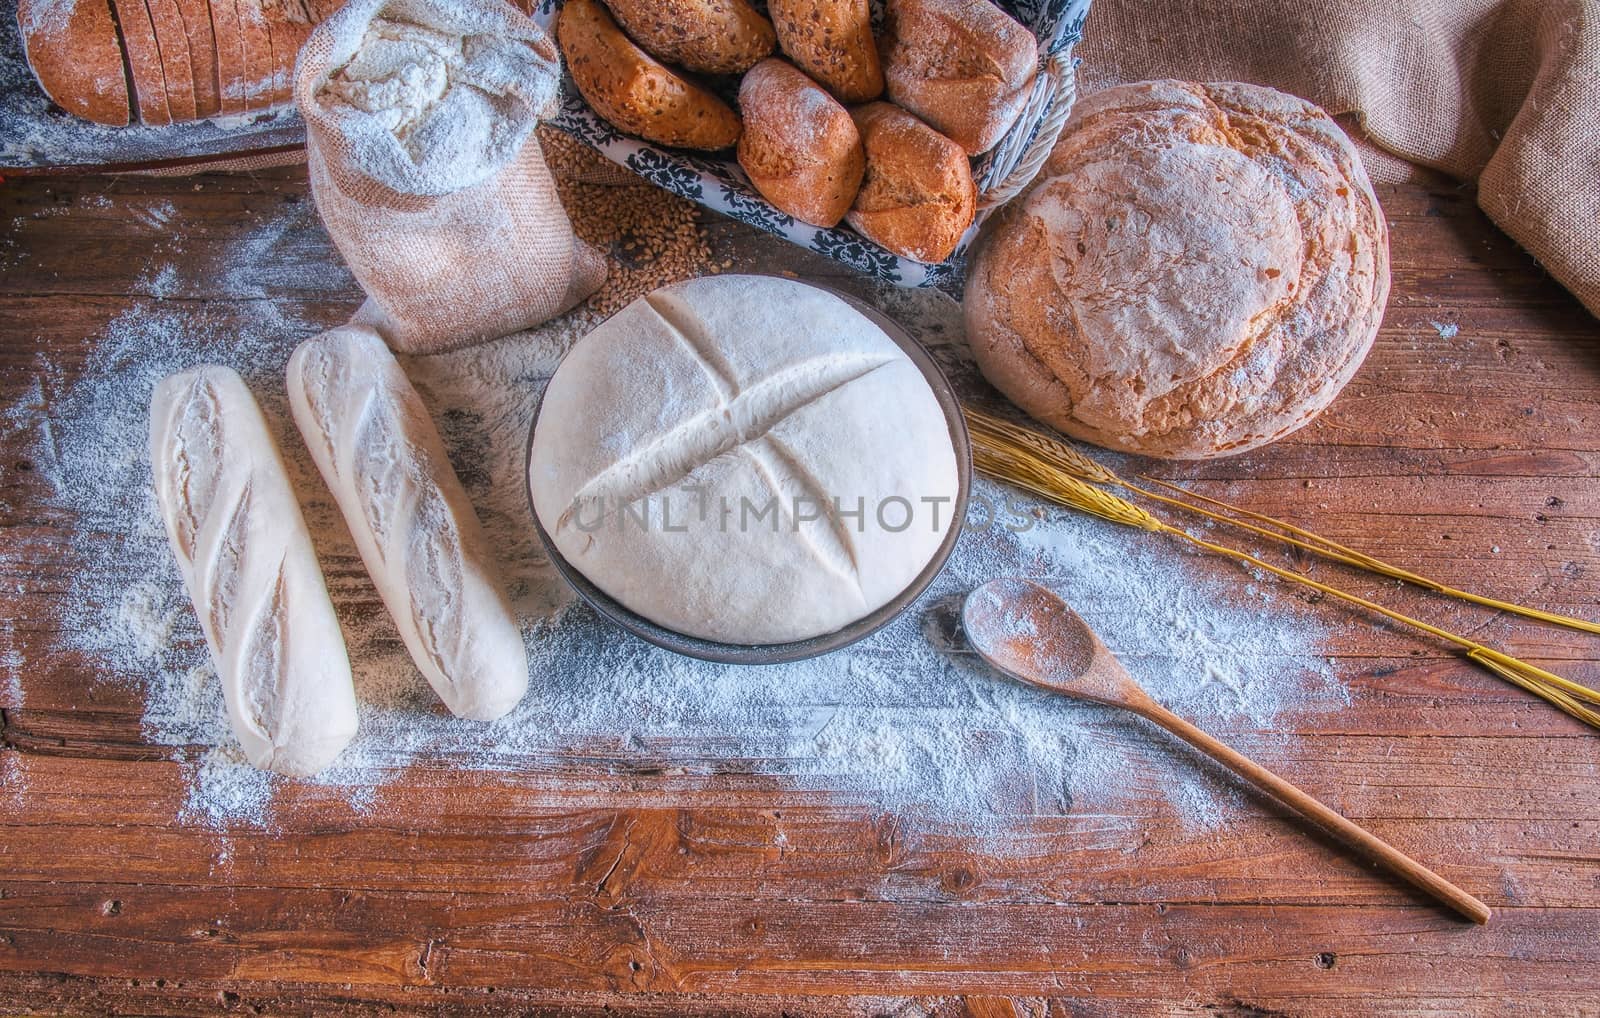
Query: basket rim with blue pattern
x=719, y=184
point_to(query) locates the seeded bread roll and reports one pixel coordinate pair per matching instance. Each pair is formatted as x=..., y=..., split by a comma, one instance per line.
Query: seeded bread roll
x=800, y=148
x=917, y=198
x=708, y=36
x=831, y=40
x=632, y=90
x=964, y=66
x=1205, y=272
x=247, y=562
x=74, y=52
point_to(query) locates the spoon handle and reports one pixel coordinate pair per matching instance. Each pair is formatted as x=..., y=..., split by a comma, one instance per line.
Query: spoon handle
x=1364, y=842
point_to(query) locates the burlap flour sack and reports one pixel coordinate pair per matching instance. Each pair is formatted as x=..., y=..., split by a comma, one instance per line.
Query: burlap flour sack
x=1505, y=93
x=425, y=170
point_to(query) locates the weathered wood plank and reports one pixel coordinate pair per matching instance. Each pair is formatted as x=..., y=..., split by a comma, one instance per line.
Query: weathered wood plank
x=1103, y=951
x=738, y=838
x=461, y=892
x=69, y=994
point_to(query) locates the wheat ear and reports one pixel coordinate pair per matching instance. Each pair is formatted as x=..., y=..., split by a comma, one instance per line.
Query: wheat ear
x=1062, y=455
x=1023, y=469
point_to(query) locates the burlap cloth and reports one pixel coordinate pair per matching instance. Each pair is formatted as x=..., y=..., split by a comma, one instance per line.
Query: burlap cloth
x=1503, y=93
x=465, y=240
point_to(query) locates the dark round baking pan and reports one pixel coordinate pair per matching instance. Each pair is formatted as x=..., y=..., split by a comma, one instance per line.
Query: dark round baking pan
x=775, y=653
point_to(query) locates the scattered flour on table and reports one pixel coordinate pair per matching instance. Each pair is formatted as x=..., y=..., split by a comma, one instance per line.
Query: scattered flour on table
x=13, y=782
x=11, y=672
x=906, y=721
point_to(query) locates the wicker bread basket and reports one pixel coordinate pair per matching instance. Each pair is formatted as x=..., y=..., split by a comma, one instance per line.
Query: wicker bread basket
x=718, y=183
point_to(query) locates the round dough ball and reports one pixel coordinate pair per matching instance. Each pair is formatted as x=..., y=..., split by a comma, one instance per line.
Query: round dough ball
x=1202, y=270
x=691, y=452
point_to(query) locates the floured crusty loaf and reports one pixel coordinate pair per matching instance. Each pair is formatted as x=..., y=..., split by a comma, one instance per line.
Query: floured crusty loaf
x=717, y=394
x=707, y=36
x=917, y=198
x=76, y=55
x=247, y=562
x=1202, y=270
x=799, y=148
x=964, y=66
x=633, y=90
x=378, y=450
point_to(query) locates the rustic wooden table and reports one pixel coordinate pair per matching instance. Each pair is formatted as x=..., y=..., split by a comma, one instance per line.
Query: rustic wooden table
x=1474, y=457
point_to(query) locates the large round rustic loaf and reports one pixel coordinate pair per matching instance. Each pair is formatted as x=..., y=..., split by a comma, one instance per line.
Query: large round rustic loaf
x=689, y=452
x=1202, y=270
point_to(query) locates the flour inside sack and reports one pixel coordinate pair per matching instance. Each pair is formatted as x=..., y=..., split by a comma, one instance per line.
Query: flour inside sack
x=399, y=73
x=422, y=160
x=904, y=721
x=451, y=100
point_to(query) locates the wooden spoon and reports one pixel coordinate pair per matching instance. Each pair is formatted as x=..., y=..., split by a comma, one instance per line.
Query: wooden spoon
x=1032, y=635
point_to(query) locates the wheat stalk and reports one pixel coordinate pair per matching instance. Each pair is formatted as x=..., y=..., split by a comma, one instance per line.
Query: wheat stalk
x=1561, y=699
x=1319, y=545
x=1020, y=465
x=1052, y=451
x=1063, y=456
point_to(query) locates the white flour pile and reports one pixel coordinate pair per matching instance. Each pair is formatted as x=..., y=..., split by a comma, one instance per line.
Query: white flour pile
x=399, y=73
x=458, y=106
x=904, y=721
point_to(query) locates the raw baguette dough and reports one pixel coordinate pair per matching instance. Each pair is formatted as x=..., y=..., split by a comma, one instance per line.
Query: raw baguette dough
x=247, y=562
x=716, y=390
x=378, y=449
